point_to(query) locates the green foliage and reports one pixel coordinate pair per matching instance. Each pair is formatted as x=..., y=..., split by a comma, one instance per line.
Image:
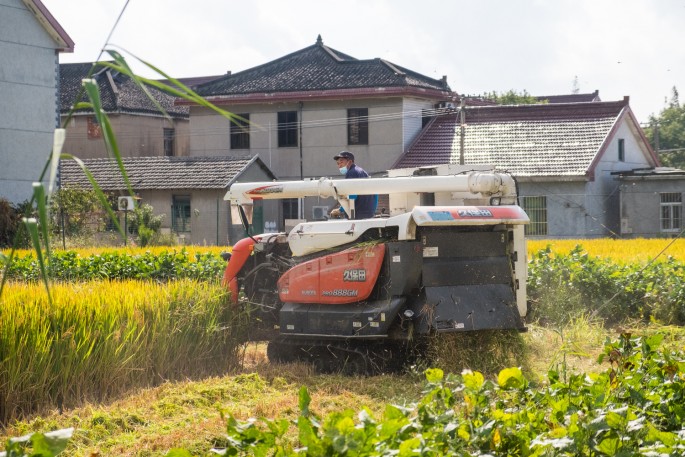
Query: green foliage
x=38, y=444
x=511, y=97
x=78, y=210
x=635, y=407
x=119, y=265
x=9, y=222
x=669, y=125
x=146, y=224
x=563, y=287
x=11, y=227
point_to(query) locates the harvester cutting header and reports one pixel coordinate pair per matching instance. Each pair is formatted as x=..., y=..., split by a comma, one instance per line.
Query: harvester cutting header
x=363, y=293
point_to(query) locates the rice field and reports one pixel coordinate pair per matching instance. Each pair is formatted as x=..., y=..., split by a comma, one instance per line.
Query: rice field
x=96, y=339
x=638, y=250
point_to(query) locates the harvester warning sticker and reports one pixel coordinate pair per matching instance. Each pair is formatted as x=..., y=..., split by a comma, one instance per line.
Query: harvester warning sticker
x=430, y=251
x=441, y=215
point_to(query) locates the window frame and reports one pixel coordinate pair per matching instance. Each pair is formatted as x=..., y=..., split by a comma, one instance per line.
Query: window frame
x=670, y=212
x=357, y=126
x=240, y=131
x=181, y=203
x=287, y=129
x=169, y=135
x=621, y=150
x=535, y=207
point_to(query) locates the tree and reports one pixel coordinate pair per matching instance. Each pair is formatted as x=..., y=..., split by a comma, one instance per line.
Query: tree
x=511, y=97
x=76, y=210
x=666, y=132
x=146, y=224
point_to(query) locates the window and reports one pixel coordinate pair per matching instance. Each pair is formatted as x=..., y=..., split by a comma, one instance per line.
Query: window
x=240, y=132
x=671, y=211
x=358, y=126
x=180, y=214
x=426, y=116
x=536, y=208
x=621, y=150
x=290, y=208
x=169, y=138
x=94, y=129
x=287, y=129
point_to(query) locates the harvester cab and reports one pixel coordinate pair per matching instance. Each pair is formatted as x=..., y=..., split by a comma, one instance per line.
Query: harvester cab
x=449, y=256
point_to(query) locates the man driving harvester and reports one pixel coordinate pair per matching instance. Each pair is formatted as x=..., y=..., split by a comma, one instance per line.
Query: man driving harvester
x=364, y=205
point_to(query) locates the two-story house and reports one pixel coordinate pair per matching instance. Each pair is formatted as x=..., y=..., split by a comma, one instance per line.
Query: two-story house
x=142, y=129
x=574, y=164
x=30, y=43
x=298, y=111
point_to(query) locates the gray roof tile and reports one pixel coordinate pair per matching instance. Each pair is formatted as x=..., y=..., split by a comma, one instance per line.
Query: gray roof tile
x=119, y=94
x=527, y=140
x=318, y=68
x=152, y=173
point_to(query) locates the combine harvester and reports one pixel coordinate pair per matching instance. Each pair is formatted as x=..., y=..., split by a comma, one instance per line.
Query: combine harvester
x=365, y=296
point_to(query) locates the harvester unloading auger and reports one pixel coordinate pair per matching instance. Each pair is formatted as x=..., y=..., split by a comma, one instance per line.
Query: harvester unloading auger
x=366, y=295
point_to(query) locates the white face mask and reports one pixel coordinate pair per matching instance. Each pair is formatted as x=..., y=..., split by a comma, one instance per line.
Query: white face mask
x=343, y=170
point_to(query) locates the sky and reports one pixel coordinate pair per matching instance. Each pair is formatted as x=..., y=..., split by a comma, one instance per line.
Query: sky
x=632, y=48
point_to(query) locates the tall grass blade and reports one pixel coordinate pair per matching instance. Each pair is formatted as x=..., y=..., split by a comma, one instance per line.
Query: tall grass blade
x=178, y=89
x=43, y=216
x=57, y=144
x=32, y=227
x=107, y=131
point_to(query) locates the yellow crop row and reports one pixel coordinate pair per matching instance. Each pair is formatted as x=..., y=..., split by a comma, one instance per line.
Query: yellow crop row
x=621, y=250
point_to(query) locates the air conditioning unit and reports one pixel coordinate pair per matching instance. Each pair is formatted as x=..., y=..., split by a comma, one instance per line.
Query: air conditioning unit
x=319, y=213
x=126, y=204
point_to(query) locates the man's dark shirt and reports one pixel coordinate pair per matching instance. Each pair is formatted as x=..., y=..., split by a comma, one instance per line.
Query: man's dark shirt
x=364, y=205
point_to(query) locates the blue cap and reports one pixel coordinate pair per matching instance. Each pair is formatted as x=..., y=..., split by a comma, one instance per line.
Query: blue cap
x=344, y=155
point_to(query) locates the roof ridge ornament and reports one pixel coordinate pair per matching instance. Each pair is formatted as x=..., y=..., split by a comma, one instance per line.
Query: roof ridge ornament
x=319, y=41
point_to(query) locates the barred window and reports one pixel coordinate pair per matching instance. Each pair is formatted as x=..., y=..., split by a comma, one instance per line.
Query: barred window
x=358, y=126
x=240, y=132
x=671, y=211
x=536, y=208
x=180, y=214
x=287, y=129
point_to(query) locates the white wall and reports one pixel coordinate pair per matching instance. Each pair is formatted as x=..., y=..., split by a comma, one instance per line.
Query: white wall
x=324, y=133
x=28, y=89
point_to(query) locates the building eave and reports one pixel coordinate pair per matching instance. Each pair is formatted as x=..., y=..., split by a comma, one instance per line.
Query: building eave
x=332, y=94
x=556, y=178
x=50, y=24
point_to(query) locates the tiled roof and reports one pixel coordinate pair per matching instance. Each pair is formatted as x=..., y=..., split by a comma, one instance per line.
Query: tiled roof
x=319, y=68
x=570, y=98
x=527, y=140
x=119, y=94
x=153, y=173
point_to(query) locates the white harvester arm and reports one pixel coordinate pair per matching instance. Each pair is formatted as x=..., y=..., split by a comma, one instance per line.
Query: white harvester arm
x=475, y=183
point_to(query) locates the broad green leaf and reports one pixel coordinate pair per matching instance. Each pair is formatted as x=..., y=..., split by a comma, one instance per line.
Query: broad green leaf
x=609, y=446
x=304, y=401
x=434, y=375
x=511, y=378
x=473, y=380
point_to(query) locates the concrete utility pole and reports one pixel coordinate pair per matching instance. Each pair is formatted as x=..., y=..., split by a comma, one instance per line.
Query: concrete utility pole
x=462, y=127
